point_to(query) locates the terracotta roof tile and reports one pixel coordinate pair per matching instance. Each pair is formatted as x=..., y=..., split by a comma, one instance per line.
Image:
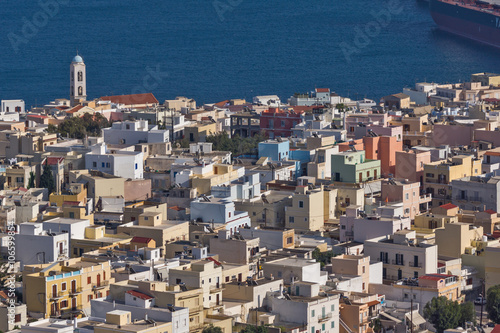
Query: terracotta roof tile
x=147, y=98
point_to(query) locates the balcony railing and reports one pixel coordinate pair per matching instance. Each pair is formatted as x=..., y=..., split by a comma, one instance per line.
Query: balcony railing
x=74, y=291
x=415, y=264
x=58, y=294
x=325, y=317
x=384, y=261
x=349, y=233
x=101, y=285
x=398, y=262
x=215, y=289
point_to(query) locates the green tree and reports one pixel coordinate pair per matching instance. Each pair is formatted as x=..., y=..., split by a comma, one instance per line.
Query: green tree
x=47, y=179
x=31, y=182
x=322, y=257
x=444, y=313
x=212, y=329
x=376, y=325
x=493, y=303
x=79, y=127
x=254, y=329
x=467, y=313
x=236, y=145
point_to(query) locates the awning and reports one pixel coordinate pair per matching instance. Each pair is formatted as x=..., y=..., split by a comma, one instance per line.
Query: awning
x=394, y=319
x=372, y=303
x=417, y=318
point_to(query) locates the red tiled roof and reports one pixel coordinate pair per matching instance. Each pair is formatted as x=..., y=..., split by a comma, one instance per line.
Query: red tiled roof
x=222, y=103
x=496, y=329
x=37, y=116
x=323, y=90
x=75, y=109
x=147, y=98
x=434, y=277
x=177, y=208
x=492, y=153
x=215, y=261
x=54, y=160
x=22, y=189
x=139, y=294
x=448, y=206
x=142, y=240
x=372, y=303
x=490, y=211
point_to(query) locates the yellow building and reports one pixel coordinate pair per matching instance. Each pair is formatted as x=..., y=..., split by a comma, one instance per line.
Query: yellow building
x=95, y=239
x=18, y=175
x=438, y=176
x=65, y=288
x=310, y=209
x=76, y=194
x=165, y=296
x=120, y=321
x=492, y=266
x=199, y=131
x=462, y=236
x=486, y=79
x=428, y=223
x=221, y=174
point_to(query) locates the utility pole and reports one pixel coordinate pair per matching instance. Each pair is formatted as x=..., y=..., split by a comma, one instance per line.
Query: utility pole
x=482, y=301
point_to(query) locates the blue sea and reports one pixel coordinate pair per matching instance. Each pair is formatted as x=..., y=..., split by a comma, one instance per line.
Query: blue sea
x=213, y=50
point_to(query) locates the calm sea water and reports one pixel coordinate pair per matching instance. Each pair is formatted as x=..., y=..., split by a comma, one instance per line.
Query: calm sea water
x=213, y=50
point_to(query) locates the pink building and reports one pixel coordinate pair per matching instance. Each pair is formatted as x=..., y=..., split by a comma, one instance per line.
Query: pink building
x=410, y=165
x=382, y=148
x=408, y=193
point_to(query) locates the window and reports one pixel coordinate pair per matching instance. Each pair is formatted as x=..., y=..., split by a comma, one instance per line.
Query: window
x=63, y=286
x=364, y=269
x=136, y=166
x=333, y=324
x=301, y=204
x=313, y=313
x=89, y=280
x=71, y=215
x=407, y=196
x=289, y=240
x=291, y=219
x=89, y=297
x=280, y=274
x=323, y=327
x=80, y=76
x=108, y=165
x=17, y=318
x=103, y=164
x=333, y=308
x=80, y=91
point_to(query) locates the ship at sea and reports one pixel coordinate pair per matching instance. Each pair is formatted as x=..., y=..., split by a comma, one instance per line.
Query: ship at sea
x=474, y=19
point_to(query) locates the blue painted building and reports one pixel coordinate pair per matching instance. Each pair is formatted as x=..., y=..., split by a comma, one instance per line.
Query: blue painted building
x=275, y=150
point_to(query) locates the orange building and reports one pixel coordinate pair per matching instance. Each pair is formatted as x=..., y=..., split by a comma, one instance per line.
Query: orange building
x=382, y=148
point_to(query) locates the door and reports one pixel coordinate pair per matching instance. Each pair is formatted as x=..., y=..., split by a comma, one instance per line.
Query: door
x=73, y=303
x=360, y=177
x=240, y=276
x=218, y=299
x=98, y=280
x=375, y=174
x=73, y=286
x=400, y=274
x=54, y=290
x=60, y=248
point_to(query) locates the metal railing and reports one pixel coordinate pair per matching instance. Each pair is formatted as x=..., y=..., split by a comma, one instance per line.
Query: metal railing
x=325, y=317
x=416, y=264
x=398, y=262
x=102, y=284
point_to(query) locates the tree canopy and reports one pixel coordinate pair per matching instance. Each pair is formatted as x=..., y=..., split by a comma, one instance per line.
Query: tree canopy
x=493, y=303
x=237, y=145
x=444, y=313
x=78, y=127
x=254, y=329
x=212, y=329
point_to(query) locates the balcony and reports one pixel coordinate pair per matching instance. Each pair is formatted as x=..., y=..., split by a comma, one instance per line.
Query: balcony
x=425, y=198
x=215, y=289
x=398, y=262
x=102, y=285
x=349, y=233
x=415, y=264
x=325, y=317
x=383, y=261
x=58, y=295
x=76, y=291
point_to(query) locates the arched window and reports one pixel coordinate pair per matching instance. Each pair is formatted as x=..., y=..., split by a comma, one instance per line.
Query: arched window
x=80, y=91
x=80, y=76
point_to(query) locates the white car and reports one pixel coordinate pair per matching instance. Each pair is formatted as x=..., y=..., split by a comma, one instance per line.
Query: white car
x=480, y=300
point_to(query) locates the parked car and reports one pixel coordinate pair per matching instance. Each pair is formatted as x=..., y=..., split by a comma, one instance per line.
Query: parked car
x=480, y=300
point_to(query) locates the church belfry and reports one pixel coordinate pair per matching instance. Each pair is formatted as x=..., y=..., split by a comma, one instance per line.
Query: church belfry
x=78, y=81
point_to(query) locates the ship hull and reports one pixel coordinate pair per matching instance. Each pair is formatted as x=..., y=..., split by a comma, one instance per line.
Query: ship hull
x=473, y=24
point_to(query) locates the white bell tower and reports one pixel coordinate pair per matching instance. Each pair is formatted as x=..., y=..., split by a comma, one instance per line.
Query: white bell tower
x=78, y=81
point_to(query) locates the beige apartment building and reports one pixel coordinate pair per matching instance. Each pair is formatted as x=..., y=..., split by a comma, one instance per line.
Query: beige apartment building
x=462, y=236
x=310, y=209
x=205, y=274
x=438, y=176
x=352, y=265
